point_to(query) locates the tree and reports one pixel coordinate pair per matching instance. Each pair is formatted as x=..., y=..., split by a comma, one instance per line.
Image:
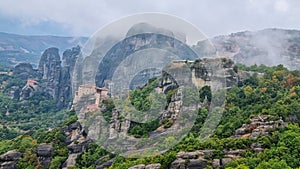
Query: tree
x=273, y=164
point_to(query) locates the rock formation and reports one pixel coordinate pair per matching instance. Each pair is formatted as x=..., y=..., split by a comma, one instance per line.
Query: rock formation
x=199, y=159
x=56, y=75
x=76, y=141
x=136, y=43
x=269, y=47
x=150, y=166
x=258, y=126
x=65, y=86
x=45, y=153
x=24, y=71
x=50, y=70
x=10, y=159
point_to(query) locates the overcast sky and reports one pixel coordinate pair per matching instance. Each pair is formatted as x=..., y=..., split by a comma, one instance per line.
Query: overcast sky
x=83, y=18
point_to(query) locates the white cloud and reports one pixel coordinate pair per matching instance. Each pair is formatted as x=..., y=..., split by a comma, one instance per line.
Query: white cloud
x=211, y=16
x=281, y=5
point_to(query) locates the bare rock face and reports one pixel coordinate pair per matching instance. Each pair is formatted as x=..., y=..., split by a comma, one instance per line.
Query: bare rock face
x=118, y=125
x=269, y=47
x=76, y=141
x=135, y=43
x=106, y=164
x=65, y=87
x=10, y=159
x=50, y=69
x=257, y=147
x=216, y=163
x=24, y=71
x=57, y=74
x=194, y=160
x=44, y=153
x=153, y=166
x=260, y=125
x=140, y=166
x=191, y=164
x=149, y=166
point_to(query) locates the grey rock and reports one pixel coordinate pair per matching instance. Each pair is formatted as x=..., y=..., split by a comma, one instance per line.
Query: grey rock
x=216, y=163
x=115, y=55
x=255, y=145
x=12, y=155
x=79, y=147
x=178, y=164
x=68, y=63
x=10, y=159
x=106, y=164
x=24, y=71
x=71, y=161
x=197, y=163
x=224, y=161
x=153, y=166
x=237, y=152
x=45, y=150
x=49, y=68
x=8, y=165
x=140, y=166
x=258, y=150
x=57, y=74
x=44, y=153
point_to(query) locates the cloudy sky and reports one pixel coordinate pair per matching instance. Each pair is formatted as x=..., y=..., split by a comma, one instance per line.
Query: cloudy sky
x=83, y=18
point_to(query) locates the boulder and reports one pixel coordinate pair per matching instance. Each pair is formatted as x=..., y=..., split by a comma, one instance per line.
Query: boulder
x=45, y=150
x=44, y=153
x=12, y=155
x=24, y=71
x=10, y=159
x=153, y=166
x=8, y=165
x=79, y=147
x=178, y=164
x=197, y=163
x=224, y=161
x=140, y=166
x=216, y=163
x=106, y=164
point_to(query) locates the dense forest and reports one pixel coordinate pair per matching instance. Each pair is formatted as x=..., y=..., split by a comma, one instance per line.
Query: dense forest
x=269, y=91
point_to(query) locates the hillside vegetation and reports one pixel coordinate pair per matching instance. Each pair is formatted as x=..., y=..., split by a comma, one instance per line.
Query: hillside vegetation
x=273, y=92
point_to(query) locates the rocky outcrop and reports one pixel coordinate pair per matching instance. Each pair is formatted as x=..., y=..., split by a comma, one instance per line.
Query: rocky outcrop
x=203, y=158
x=106, y=164
x=257, y=147
x=53, y=77
x=269, y=47
x=45, y=153
x=57, y=75
x=65, y=87
x=138, y=42
x=118, y=124
x=69, y=57
x=50, y=69
x=199, y=163
x=9, y=159
x=259, y=126
x=174, y=106
x=24, y=71
x=76, y=141
x=149, y=166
